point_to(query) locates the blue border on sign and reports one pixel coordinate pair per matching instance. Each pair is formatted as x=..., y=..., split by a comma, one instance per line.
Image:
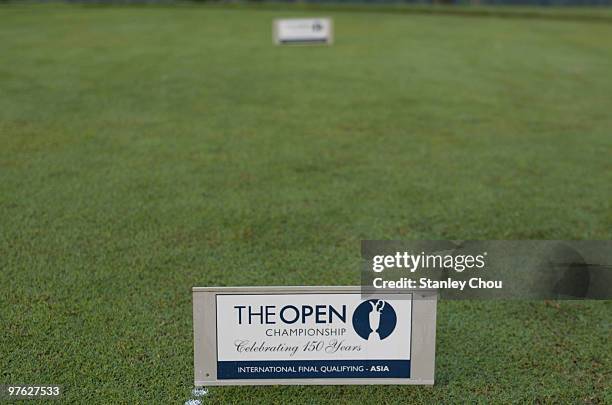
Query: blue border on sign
x=229, y=370
x=244, y=370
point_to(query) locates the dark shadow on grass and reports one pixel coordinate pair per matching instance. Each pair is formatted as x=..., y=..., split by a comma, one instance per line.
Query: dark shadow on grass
x=575, y=14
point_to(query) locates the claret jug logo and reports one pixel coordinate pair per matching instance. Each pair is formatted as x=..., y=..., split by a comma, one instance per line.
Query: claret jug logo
x=374, y=320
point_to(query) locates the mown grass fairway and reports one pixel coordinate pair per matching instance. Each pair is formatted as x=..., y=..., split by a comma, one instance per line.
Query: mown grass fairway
x=147, y=150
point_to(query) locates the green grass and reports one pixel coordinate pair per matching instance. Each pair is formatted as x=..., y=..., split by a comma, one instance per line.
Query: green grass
x=144, y=151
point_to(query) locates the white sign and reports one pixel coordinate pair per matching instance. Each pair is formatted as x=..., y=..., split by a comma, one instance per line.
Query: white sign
x=311, y=335
x=303, y=31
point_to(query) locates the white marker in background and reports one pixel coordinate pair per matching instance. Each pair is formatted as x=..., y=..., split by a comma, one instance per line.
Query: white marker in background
x=303, y=31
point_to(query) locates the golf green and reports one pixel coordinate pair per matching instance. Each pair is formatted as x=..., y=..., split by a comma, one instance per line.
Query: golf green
x=146, y=150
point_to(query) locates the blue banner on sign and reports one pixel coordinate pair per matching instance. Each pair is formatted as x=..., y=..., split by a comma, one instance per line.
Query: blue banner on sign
x=230, y=370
